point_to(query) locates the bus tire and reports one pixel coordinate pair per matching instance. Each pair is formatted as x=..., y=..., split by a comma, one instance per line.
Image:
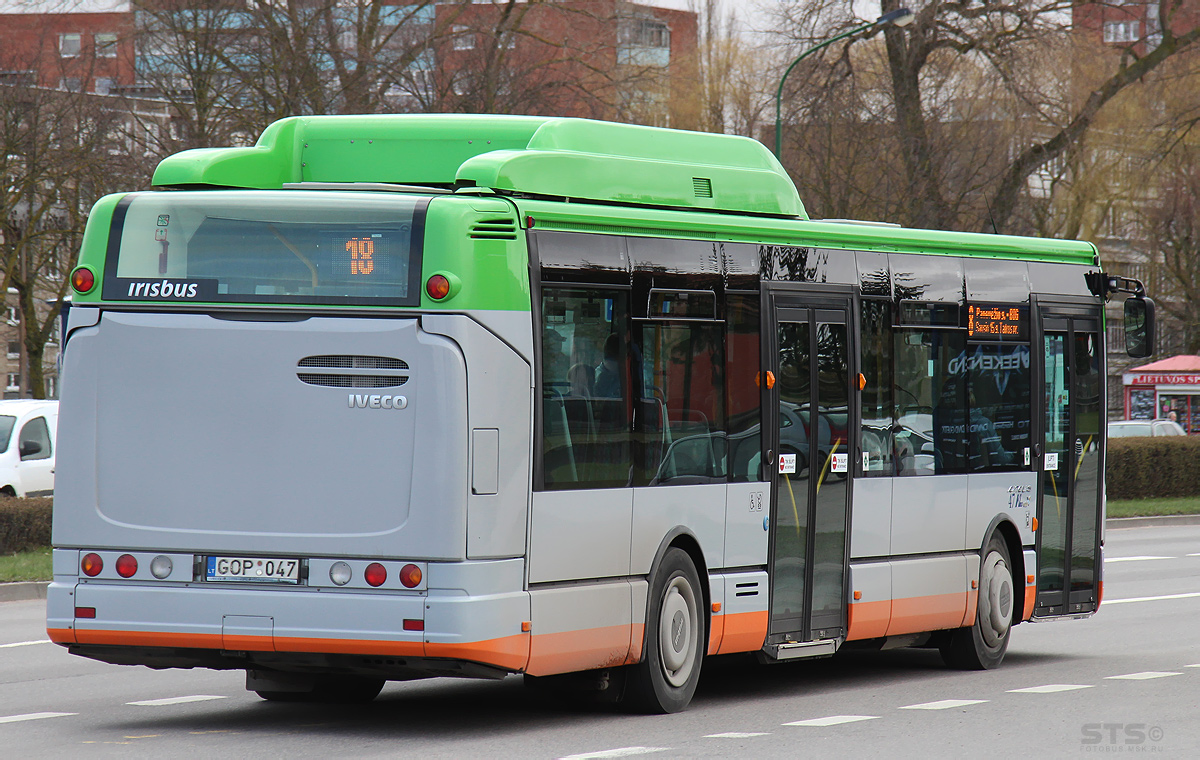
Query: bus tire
x=674, y=642
x=982, y=646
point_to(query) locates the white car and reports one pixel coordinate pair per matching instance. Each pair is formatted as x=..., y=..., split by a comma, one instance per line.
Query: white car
x=28, y=430
x=1144, y=428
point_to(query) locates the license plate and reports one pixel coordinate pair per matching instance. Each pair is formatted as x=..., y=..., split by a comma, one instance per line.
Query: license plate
x=253, y=570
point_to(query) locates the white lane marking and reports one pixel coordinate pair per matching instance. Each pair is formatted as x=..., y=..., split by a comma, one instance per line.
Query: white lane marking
x=24, y=643
x=944, y=704
x=1142, y=676
x=622, y=752
x=174, y=700
x=735, y=735
x=1197, y=665
x=33, y=716
x=832, y=720
x=1197, y=554
x=1191, y=595
x=1049, y=688
x=1133, y=559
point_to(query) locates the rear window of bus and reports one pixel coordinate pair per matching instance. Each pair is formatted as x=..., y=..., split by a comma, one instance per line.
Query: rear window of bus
x=299, y=247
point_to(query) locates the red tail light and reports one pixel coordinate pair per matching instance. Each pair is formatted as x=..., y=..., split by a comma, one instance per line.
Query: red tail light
x=126, y=565
x=91, y=565
x=376, y=574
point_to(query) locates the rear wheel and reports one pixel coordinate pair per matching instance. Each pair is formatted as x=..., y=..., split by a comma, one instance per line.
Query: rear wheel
x=982, y=646
x=665, y=680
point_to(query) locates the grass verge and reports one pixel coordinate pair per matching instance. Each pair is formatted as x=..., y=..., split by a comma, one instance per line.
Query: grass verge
x=1188, y=505
x=26, y=566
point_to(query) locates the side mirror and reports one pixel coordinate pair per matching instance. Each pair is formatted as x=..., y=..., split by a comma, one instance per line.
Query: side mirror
x=30, y=448
x=1139, y=327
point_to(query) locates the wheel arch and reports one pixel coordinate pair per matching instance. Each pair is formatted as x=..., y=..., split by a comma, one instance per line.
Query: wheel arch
x=1007, y=530
x=680, y=537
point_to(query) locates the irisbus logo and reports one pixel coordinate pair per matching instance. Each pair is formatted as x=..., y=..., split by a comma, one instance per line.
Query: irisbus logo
x=377, y=402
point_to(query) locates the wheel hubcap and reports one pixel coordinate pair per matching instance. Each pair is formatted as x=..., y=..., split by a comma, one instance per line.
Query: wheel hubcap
x=678, y=626
x=996, y=599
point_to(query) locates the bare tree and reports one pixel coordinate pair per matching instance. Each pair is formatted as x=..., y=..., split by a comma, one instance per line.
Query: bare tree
x=1173, y=227
x=55, y=162
x=968, y=104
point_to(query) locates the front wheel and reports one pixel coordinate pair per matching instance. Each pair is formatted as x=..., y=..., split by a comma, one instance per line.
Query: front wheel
x=675, y=639
x=982, y=646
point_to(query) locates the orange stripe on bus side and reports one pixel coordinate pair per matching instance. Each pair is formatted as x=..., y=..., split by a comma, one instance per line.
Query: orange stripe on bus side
x=869, y=620
x=1030, y=598
x=61, y=635
x=591, y=648
x=744, y=632
x=716, y=632
x=508, y=652
x=927, y=613
x=968, y=617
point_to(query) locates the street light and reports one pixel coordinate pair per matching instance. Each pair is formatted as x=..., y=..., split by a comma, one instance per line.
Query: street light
x=898, y=17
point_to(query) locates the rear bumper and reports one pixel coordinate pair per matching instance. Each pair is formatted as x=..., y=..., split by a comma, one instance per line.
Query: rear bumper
x=473, y=612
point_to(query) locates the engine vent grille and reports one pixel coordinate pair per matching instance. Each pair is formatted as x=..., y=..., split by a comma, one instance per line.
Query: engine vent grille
x=495, y=229
x=702, y=186
x=352, y=381
x=356, y=371
x=352, y=362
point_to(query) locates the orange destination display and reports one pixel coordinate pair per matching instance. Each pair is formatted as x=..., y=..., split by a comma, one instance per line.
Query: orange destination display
x=997, y=322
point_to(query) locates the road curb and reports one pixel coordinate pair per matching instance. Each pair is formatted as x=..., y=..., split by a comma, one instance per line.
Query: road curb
x=22, y=592
x=1115, y=523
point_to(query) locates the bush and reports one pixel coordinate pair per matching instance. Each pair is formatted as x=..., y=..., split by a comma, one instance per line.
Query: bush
x=1145, y=468
x=24, y=524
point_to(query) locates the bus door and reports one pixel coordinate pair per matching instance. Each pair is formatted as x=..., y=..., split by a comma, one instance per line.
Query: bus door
x=807, y=398
x=1071, y=461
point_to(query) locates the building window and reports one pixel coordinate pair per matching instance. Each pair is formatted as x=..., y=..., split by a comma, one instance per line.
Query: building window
x=14, y=349
x=70, y=45
x=645, y=32
x=10, y=315
x=52, y=387
x=1121, y=31
x=106, y=45
x=464, y=38
x=104, y=85
x=14, y=382
x=70, y=84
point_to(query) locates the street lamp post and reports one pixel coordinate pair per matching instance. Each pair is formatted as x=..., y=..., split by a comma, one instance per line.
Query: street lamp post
x=898, y=17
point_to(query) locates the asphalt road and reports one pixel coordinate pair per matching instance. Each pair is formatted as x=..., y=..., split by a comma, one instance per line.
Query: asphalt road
x=1126, y=681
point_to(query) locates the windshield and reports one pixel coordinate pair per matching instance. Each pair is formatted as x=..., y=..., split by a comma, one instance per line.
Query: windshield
x=6, y=427
x=266, y=247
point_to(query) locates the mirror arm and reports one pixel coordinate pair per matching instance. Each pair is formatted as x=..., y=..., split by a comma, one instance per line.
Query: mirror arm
x=1104, y=285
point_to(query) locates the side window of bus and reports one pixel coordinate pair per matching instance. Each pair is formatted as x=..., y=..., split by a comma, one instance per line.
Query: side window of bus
x=929, y=431
x=876, y=349
x=742, y=393
x=679, y=390
x=586, y=409
x=35, y=440
x=999, y=396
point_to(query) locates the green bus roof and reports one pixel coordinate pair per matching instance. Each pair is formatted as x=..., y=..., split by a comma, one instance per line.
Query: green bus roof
x=531, y=155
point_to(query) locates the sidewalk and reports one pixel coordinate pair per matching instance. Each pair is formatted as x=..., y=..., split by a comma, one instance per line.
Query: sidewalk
x=19, y=592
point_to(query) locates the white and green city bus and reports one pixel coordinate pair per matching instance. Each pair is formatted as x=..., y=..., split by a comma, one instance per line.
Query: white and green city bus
x=394, y=397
